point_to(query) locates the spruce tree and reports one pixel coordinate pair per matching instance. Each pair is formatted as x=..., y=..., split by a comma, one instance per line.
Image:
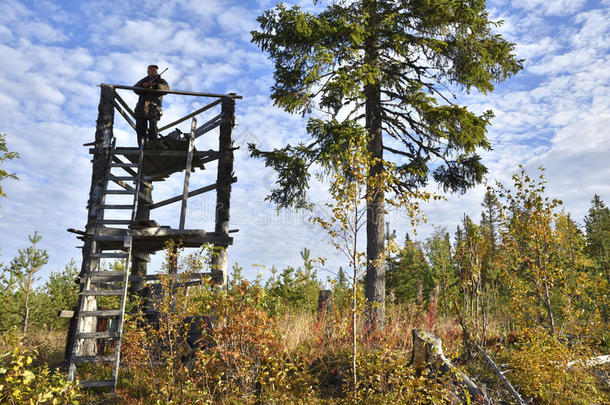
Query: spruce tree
x=491, y=218
x=387, y=71
x=597, y=231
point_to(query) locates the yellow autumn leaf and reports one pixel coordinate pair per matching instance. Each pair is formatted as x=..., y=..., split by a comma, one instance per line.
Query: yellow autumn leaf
x=28, y=376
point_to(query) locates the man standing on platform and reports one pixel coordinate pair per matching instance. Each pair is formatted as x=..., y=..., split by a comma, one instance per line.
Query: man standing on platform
x=148, y=110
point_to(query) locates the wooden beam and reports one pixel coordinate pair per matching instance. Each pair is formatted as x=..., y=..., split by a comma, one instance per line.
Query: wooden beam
x=180, y=92
x=210, y=125
x=120, y=110
x=127, y=169
x=130, y=188
x=153, y=152
x=124, y=104
x=191, y=115
x=65, y=313
x=191, y=194
x=187, y=173
x=224, y=180
x=176, y=276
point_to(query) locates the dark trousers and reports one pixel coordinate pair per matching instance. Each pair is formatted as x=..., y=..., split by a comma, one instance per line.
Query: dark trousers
x=146, y=128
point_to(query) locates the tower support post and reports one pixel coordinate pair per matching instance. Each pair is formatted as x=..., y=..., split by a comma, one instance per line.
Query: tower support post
x=103, y=138
x=223, y=191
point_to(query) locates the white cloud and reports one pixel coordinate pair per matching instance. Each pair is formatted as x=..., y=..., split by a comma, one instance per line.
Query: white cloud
x=553, y=113
x=550, y=7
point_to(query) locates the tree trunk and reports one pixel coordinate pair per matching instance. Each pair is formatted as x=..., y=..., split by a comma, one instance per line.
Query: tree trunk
x=220, y=260
x=375, y=218
x=547, y=302
x=139, y=264
x=26, y=316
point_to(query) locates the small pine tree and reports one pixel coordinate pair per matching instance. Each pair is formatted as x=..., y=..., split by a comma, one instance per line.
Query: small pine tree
x=24, y=267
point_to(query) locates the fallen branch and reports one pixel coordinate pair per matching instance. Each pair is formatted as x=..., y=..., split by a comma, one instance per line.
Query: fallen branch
x=594, y=361
x=500, y=374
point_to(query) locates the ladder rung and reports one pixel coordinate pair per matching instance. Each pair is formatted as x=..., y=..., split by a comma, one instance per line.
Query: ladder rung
x=96, y=293
x=117, y=207
x=95, y=384
x=123, y=165
x=97, y=335
x=100, y=313
x=131, y=192
x=130, y=178
x=115, y=221
x=111, y=255
x=91, y=359
x=101, y=276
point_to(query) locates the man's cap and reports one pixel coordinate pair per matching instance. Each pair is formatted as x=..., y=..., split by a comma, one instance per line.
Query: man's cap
x=153, y=66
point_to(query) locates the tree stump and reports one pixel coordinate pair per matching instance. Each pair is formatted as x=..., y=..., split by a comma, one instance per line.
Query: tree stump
x=428, y=353
x=325, y=303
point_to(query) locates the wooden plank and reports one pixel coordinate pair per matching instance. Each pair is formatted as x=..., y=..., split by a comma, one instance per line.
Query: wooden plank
x=187, y=173
x=102, y=274
x=100, y=313
x=108, y=238
x=121, y=178
x=155, y=231
x=120, y=192
x=130, y=188
x=173, y=153
x=92, y=359
x=97, y=335
x=180, y=92
x=98, y=293
x=124, y=114
x=125, y=166
x=116, y=255
x=191, y=194
x=124, y=104
x=179, y=276
x=210, y=125
x=154, y=244
x=191, y=115
x=97, y=384
x=65, y=314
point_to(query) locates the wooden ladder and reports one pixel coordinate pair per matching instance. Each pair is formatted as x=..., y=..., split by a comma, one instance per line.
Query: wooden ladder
x=110, y=280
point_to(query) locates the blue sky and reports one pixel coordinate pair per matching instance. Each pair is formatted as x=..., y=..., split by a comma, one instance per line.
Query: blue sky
x=554, y=113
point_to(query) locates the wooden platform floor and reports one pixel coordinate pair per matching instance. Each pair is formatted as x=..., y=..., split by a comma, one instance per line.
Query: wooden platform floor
x=164, y=157
x=153, y=239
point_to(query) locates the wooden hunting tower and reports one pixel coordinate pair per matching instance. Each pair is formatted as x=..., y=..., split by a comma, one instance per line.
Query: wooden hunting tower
x=130, y=172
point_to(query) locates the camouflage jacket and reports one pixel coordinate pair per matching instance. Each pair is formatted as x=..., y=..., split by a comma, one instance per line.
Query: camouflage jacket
x=149, y=104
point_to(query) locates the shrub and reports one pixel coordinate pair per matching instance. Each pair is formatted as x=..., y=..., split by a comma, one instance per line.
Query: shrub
x=539, y=367
x=22, y=383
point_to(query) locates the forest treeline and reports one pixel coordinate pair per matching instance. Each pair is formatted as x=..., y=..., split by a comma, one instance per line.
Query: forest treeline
x=525, y=281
